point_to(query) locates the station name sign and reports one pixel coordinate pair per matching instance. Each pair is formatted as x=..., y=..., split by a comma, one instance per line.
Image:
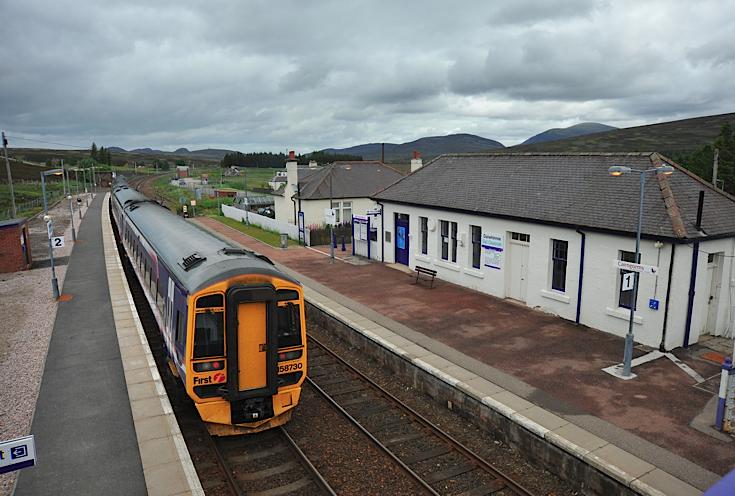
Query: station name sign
x=634, y=267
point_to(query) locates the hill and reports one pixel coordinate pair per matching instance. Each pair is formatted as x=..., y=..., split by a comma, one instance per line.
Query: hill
x=669, y=138
x=209, y=153
x=428, y=147
x=568, y=132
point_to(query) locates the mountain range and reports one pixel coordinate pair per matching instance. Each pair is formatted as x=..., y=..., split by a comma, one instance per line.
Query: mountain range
x=666, y=137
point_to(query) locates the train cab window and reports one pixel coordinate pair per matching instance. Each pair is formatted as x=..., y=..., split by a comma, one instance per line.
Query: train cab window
x=289, y=325
x=214, y=300
x=209, y=334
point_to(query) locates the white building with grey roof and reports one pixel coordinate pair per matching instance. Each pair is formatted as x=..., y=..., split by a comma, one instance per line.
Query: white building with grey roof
x=547, y=229
x=349, y=185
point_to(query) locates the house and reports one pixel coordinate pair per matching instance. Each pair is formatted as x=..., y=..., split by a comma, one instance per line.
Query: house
x=547, y=230
x=182, y=171
x=349, y=185
x=278, y=181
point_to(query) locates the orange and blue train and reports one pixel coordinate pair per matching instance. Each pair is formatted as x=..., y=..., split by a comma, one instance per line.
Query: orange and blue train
x=232, y=323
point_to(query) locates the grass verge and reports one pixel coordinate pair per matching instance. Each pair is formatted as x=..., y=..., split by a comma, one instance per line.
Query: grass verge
x=269, y=237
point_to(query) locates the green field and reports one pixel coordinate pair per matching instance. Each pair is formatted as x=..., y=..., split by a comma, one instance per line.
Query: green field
x=29, y=198
x=269, y=237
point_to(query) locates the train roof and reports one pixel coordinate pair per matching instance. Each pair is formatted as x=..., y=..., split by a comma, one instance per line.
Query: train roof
x=195, y=257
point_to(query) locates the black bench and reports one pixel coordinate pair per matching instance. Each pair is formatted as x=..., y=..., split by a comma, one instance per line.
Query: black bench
x=427, y=272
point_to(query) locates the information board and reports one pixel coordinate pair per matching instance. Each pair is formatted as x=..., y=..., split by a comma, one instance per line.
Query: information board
x=492, y=247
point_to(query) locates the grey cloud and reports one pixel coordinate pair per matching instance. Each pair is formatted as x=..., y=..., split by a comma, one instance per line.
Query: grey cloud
x=272, y=75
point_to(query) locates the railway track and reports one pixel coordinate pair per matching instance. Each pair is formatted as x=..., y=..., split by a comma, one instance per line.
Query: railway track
x=439, y=463
x=268, y=463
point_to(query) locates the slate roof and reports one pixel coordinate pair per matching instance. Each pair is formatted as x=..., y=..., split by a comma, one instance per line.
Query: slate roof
x=360, y=179
x=572, y=190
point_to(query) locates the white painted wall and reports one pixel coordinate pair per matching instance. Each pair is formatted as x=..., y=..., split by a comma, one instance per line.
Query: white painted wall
x=599, y=307
x=314, y=209
x=264, y=222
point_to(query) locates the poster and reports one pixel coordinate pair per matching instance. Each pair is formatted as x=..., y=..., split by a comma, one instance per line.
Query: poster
x=492, y=247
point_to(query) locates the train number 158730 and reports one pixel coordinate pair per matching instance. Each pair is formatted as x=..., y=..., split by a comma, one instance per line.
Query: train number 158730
x=288, y=367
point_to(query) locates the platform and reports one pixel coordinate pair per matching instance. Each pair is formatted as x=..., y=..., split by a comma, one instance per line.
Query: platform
x=103, y=424
x=537, y=370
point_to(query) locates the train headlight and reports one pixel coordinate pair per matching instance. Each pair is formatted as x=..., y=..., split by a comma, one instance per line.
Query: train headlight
x=288, y=355
x=209, y=366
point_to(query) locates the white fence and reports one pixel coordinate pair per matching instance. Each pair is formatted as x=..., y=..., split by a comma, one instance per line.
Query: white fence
x=265, y=222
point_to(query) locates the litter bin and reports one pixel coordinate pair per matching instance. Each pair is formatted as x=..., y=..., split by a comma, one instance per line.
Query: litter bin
x=284, y=240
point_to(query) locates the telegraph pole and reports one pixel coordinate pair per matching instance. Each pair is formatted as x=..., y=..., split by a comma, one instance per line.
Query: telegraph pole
x=10, y=177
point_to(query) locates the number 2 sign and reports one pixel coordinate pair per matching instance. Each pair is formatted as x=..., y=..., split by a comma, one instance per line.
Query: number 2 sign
x=57, y=241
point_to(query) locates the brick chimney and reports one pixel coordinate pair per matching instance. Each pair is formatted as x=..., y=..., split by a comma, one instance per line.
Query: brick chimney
x=416, y=162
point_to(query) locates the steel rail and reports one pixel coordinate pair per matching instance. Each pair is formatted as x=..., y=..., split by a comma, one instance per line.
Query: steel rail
x=306, y=463
x=461, y=448
x=372, y=438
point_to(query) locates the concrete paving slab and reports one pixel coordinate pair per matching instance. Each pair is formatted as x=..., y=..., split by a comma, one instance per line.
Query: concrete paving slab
x=618, y=463
x=661, y=483
x=142, y=390
x=133, y=363
x=575, y=439
x=166, y=479
x=544, y=418
x=157, y=451
x=414, y=351
x=436, y=361
x=154, y=427
x=137, y=376
x=481, y=387
x=511, y=401
x=460, y=373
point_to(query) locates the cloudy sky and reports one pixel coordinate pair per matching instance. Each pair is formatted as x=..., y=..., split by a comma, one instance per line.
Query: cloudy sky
x=278, y=75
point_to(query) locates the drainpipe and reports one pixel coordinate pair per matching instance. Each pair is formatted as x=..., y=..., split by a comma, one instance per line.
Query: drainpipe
x=581, y=275
x=693, y=274
x=382, y=232
x=662, y=346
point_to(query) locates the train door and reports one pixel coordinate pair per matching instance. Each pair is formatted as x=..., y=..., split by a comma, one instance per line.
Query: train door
x=252, y=349
x=251, y=318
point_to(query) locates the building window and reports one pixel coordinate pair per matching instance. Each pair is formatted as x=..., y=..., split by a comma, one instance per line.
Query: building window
x=476, y=245
x=625, y=298
x=424, y=224
x=444, y=233
x=454, y=242
x=343, y=211
x=559, y=250
x=526, y=238
x=448, y=240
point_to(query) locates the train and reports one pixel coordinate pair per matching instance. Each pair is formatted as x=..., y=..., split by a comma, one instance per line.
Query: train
x=233, y=324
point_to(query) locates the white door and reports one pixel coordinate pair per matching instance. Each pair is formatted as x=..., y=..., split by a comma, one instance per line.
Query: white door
x=714, y=283
x=518, y=271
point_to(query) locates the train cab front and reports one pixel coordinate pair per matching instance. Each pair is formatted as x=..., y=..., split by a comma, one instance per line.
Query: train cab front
x=249, y=356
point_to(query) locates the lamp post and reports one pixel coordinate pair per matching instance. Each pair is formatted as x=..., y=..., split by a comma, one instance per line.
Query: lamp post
x=331, y=226
x=50, y=228
x=616, y=171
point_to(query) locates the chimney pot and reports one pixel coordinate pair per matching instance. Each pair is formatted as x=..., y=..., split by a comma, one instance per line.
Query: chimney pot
x=416, y=154
x=292, y=155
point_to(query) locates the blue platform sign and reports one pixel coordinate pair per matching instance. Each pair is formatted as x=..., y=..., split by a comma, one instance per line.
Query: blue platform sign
x=17, y=453
x=653, y=304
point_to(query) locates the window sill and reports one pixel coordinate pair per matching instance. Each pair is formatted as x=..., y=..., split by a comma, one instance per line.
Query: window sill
x=553, y=295
x=474, y=273
x=422, y=258
x=447, y=265
x=623, y=314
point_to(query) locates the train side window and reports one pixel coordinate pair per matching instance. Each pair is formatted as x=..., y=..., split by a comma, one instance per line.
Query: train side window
x=209, y=334
x=289, y=325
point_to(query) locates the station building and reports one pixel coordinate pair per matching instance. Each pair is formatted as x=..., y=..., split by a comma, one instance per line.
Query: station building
x=546, y=230
x=15, y=245
x=349, y=185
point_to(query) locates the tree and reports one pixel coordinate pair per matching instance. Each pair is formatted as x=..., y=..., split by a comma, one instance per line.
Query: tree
x=180, y=162
x=700, y=161
x=93, y=151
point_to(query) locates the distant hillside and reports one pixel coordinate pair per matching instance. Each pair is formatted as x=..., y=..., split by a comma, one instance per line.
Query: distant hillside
x=212, y=153
x=668, y=138
x=428, y=147
x=568, y=132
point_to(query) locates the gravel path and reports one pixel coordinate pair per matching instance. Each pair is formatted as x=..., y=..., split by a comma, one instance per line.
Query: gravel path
x=28, y=312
